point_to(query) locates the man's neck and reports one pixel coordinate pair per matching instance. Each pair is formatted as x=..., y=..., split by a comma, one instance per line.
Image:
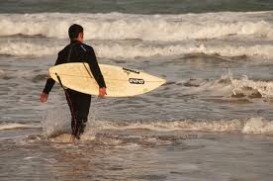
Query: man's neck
x=76, y=40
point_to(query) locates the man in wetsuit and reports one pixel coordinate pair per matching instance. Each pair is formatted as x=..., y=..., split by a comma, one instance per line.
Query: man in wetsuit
x=79, y=103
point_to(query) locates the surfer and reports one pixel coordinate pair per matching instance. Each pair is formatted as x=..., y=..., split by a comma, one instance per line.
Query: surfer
x=79, y=103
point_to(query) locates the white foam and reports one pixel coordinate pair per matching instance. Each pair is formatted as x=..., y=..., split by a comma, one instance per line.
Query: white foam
x=27, y=49
x=263, y=51
x=183, y=125
x=129, y=51
x=227, y=86
x=10, y=126
x=264, y=88
x=2, y=73
x=258, y=126
x=224, y=33
x=144, y=27
x=255, y=125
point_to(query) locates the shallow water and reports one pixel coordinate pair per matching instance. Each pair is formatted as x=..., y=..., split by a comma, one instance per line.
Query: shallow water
x=212, y=120
x=139, y=155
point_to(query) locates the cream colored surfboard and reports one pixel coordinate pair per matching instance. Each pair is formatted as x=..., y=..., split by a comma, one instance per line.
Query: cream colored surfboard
x=120, y=82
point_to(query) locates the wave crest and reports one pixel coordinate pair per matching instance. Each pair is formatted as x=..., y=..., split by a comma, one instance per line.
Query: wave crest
x=255, y=125
x=124, y=51
x=230, y=87
x=145, y=27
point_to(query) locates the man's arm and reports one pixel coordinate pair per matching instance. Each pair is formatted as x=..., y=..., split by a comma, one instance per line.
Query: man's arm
x=95, y=69
x=50, y=82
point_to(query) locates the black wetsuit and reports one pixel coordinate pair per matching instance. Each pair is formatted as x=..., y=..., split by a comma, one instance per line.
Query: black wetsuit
x=79, y=103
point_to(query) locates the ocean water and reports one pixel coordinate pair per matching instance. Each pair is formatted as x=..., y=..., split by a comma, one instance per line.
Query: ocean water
x=212, y=120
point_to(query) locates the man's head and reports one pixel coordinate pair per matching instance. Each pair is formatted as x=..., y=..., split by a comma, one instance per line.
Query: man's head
x=75, y=32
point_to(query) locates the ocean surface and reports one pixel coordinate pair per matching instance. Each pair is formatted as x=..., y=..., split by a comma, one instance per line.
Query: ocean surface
x=212, y=120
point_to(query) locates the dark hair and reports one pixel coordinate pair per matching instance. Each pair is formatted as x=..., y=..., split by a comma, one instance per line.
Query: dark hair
x=74, y=31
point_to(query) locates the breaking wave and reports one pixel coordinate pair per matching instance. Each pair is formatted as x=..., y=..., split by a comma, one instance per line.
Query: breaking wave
x=126, y=36
x=231, y=87
x=245, y=86
x=144, y=27
x=256, y=125
x=121, y=51
x=27, y=49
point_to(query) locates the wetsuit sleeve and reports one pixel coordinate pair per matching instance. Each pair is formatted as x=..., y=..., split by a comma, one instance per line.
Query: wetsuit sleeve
x=95, y=69
x=50, y=82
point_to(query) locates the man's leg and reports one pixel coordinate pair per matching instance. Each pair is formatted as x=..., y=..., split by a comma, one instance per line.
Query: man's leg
x=84, y=106
x=71, y=99
x=79, y=105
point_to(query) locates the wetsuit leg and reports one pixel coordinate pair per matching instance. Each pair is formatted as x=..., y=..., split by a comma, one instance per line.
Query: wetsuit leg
x=83, y=111
x=69, y=95
x=79, y=105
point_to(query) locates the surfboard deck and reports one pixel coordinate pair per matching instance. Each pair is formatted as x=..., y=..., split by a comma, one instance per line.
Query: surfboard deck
x=120, y=82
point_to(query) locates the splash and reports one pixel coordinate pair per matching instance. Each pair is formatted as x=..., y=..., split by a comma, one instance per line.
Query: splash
x=230, y=87
x=56, y=122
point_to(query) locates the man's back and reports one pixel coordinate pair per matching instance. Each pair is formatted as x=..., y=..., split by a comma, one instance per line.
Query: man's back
x=76, y=52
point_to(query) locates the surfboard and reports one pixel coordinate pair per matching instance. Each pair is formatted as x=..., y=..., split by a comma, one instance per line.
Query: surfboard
x=120, y=81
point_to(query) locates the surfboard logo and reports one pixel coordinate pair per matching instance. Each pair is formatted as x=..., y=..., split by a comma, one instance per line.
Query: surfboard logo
x=136, y=81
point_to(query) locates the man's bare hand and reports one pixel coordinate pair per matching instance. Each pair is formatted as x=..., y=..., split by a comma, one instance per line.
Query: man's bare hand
x=43, y=97
x=102, y=92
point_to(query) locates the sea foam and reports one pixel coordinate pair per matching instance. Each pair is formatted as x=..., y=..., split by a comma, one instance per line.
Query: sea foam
x=128, y=36
x=11, y=126
x=254, y=125
x=144, y=27
x=261, y=52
